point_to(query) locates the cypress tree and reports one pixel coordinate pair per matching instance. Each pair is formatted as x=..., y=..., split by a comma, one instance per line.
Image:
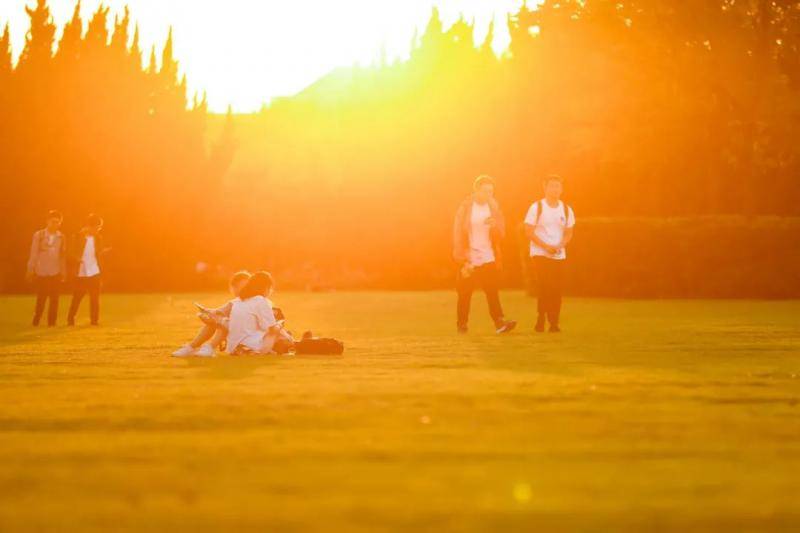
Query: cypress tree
x=40, y=38
x=6, y=64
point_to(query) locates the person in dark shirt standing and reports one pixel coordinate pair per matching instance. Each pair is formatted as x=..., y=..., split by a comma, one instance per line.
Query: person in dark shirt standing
x=88, y=249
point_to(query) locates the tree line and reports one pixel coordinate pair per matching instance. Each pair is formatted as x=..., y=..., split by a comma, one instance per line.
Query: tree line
x=646, y=107
x=93, y=123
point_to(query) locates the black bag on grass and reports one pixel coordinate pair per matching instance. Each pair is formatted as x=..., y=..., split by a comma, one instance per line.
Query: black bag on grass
x=310, y=345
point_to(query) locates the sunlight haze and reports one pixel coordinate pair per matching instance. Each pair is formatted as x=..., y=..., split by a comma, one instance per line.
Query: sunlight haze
x=245, y=52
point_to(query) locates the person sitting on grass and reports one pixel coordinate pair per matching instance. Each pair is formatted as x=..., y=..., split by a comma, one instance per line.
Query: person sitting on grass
x=215, y=323
x=253, y=327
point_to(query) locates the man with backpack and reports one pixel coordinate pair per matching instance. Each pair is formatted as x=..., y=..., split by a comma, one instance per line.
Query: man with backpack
x=549, y=226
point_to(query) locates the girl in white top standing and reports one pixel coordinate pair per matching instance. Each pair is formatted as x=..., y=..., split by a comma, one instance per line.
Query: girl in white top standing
x=549, y=225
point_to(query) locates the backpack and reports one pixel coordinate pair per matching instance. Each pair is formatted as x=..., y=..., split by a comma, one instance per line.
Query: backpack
x=310, y=345
x=540, y=208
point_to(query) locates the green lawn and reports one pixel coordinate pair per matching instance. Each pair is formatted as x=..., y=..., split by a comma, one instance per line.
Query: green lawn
x=667, y=415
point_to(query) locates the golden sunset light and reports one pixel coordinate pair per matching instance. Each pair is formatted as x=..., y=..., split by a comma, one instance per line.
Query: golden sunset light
x=400, y=265
x=245, y=52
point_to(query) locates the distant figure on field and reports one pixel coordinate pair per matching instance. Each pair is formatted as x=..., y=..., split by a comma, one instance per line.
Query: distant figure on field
x=88, y=249
x=215, y=323
x=478, y=232
x=549, y=227
x=47, y=267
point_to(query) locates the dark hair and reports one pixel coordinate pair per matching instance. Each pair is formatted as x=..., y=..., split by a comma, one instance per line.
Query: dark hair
x=242, y=275
x=553, y=177
x=481, y=180
x=259, y=284
x=94, y=220
x=54, y=214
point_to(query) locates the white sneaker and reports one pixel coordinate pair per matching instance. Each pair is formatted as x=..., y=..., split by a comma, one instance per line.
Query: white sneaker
x=205, y=351
x=183, y=351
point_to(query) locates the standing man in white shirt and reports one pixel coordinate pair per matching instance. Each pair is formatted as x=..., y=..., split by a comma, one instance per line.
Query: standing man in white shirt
x=549, y=225
x=89, y=249
x=478, y=233
x=47, y=267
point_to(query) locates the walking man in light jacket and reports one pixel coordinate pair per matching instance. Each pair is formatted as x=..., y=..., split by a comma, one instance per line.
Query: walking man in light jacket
x=478, y=232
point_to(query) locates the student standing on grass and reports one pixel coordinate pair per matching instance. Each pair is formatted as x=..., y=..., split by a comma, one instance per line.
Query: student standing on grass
x=88, y=246
x=478, y=232
x=47, y=267
x=549, y=225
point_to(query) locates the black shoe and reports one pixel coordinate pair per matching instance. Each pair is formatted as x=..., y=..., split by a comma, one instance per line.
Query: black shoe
x=539, y=327
x=555, y=329
x=506, y=326
x=462, y=329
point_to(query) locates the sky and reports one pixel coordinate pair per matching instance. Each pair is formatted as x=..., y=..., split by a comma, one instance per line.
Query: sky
x=245, y=52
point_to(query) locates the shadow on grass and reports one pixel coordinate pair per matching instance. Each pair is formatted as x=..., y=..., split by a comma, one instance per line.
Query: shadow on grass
x=228, y=367
x=116, y=309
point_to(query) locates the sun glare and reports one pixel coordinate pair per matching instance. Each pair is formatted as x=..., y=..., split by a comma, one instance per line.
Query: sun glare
x=245, y=52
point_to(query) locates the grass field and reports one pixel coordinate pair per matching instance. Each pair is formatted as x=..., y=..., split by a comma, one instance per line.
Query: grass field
x=656, y=416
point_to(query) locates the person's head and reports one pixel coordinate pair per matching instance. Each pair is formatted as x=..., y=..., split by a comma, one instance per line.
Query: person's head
x=553, y=187
x=483, y=189
x=54, y=220
x=259, y=284
x=94, y=223
x=238, y=281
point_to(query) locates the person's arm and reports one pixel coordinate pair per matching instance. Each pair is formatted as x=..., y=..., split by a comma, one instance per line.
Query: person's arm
x=225, y=310
x=458, y=248
x=530, y=233
x=265, y=316
x=530, y=230
x=33, y=257
x=569, y=231
x=62, y=257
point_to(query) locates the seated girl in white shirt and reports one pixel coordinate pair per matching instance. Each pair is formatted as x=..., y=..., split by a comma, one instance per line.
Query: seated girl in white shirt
x=215, y=322
x=252, y=326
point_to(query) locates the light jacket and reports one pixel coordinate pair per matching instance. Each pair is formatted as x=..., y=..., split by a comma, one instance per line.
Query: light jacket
x=461, y=229
x=45, y=260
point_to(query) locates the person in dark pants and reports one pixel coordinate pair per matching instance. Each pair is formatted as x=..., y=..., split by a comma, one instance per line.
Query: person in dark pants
x=549, y=225
x=89, y=249
x=47, y=267
x=477, y=235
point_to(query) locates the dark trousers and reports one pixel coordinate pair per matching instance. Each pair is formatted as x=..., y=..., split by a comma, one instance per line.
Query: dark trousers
x=82, y=287
x=47, y=288
x=487, y=278
x=550, y=281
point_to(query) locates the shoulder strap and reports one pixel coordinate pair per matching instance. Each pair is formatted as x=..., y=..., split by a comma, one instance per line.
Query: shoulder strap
x=566, y=212
x=539, y=208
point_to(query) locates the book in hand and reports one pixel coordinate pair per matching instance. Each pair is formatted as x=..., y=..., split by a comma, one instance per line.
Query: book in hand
x=203, y=309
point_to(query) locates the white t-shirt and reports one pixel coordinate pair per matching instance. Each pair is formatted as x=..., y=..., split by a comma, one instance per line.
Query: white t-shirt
x=249, y=322
x=480, y=239
x=550, y=228
x=89, y=266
